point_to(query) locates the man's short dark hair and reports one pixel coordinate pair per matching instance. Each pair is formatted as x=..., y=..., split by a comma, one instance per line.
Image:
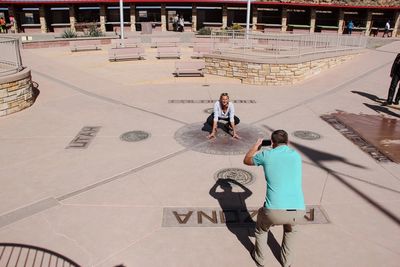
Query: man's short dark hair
x=279, y=137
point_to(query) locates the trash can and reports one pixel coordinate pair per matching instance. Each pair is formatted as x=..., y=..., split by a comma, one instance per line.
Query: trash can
x=147, y=27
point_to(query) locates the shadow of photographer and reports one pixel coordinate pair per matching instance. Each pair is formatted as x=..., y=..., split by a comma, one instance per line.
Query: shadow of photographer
x=238, y=219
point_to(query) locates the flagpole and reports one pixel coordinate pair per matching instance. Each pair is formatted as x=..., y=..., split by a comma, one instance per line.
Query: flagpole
x=121, y=17
x=248, y=19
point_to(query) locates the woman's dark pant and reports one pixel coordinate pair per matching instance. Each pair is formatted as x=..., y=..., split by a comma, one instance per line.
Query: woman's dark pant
x=210, y=120
x=392, y=89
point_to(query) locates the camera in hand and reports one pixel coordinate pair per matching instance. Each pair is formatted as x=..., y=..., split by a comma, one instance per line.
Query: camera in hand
x=265, y=142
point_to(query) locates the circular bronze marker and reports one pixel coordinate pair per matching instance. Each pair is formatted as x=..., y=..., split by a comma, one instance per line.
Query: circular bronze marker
x=134, y=136
x=239, y=175
x=194, y=137
x=306, y=135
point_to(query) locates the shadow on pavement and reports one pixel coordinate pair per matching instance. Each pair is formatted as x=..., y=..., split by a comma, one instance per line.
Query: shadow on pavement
x=382, y=109
x=242, y=226
x=379, y=108
x=28, y=255
x=231, y=202
x=35, y=91
x=369, y=96
x=319, y=157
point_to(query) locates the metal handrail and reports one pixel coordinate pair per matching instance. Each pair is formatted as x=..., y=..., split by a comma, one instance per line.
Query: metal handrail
x=10, y=56
x=283, y=45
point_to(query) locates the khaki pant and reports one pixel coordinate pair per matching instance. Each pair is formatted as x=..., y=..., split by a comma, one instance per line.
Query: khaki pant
x=267, y=218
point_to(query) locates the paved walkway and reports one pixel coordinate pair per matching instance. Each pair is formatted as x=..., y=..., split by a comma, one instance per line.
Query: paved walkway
x=104, y=205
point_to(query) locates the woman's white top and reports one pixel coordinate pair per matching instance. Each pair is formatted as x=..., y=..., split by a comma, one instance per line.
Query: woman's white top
x=219, y=114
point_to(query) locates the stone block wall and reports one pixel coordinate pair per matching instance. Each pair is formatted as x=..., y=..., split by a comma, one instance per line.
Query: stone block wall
x=270, y=73
x=15, y=92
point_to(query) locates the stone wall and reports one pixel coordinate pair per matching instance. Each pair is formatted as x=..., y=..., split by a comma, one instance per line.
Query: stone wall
x=15, y=92
x=62, y=42
x=346, y=2
x=269, y=73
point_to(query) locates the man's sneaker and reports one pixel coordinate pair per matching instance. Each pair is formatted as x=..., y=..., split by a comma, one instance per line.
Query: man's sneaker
x=396, y=102
x=253, y=256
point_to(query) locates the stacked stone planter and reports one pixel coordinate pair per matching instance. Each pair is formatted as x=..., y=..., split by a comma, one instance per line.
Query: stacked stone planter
x=264, y=73
x=16, y=92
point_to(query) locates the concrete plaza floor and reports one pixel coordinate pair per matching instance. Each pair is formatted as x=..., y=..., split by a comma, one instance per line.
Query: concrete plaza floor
x=104, y=205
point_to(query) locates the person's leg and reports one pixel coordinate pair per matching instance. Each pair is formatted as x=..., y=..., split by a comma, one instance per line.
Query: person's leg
x=392, y=88
x=397, y=98
x=289, y=241
x=237, y=120
x=262, y=227
x=210, y=119
x=288, y=244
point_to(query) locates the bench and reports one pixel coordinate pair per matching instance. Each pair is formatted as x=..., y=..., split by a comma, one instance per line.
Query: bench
x=125, y=53
x=162, y=42
x=85, y=45
x=168, y=52
x=200, y=49
x=131, y=42
x=205, y=40
x=189, y=68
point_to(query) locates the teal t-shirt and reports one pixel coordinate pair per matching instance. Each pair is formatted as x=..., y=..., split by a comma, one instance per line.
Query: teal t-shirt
x=283, y=172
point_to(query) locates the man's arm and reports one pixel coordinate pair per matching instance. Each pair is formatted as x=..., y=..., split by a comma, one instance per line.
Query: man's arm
x=248, y=158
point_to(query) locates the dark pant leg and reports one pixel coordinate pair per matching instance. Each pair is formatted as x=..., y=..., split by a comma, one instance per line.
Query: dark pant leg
x=237, y=120
x=397, y=98
x=210, y=120
x=392, y=88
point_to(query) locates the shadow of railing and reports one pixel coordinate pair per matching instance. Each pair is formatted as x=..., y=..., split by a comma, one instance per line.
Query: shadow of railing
x=15, y=255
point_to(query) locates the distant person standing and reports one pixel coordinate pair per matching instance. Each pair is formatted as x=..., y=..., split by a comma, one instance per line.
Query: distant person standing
x=181, y=24
x=387, y=28
x=175, y=22
x=12, y=22
x=395, y=74
x=3, y=27
x=350, y=27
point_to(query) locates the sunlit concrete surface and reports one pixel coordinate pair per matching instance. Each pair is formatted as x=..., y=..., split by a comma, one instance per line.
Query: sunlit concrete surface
x=104, y=205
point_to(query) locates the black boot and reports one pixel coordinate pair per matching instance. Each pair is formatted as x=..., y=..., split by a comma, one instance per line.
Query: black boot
x=388, y=102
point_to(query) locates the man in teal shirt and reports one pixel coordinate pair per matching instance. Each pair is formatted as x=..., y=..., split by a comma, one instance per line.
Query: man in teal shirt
x=284, y=200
